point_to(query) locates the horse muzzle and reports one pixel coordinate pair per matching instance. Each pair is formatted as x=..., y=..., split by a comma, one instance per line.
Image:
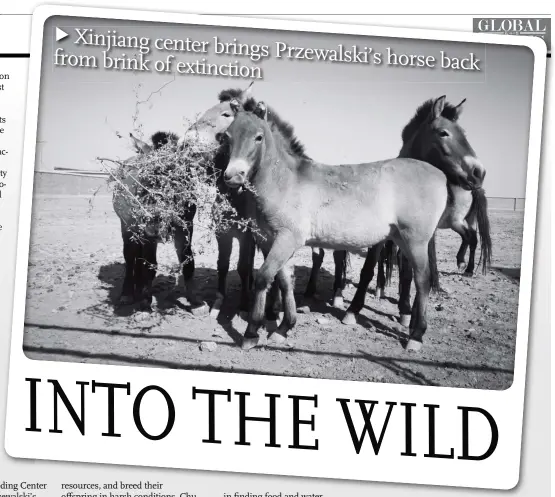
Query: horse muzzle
x=475, y=173
x=235, y=174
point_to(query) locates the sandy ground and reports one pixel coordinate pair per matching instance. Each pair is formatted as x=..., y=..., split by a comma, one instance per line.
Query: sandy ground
x=76, y=271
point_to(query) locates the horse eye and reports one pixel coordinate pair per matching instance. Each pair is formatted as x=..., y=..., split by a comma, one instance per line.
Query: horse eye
x=258, y=138
x=444, y=133
x=226, y=114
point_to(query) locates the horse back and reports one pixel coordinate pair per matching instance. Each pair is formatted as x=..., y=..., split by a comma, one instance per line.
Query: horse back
x=363, y=204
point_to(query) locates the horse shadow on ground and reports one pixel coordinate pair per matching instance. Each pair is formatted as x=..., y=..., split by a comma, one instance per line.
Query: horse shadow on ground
x=168, y=289
x=169, y=297
x=512, y=272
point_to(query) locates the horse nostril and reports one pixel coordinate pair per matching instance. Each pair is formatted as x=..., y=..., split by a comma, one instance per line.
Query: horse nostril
x=479, y=173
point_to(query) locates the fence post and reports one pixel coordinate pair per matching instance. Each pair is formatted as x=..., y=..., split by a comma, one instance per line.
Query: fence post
x=514, y=209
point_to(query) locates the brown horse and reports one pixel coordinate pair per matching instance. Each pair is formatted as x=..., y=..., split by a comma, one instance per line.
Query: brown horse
x=140, y=255
x=434, y=135
x=140, y=246
x=300, y=202
x=208, y=127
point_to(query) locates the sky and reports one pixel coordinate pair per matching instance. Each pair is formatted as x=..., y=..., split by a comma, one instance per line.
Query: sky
x=343, y=113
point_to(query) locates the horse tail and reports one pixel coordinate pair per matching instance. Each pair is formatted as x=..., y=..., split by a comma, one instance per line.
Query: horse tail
x=479, y=208
x=432, y=261
x=388, y=255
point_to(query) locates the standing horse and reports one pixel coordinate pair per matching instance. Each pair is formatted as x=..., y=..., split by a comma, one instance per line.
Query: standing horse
x=468, y=215
x=207, y=129
x=225, y=236
x=140, y=256
x=238, y=199
x=300, y=202
x=433, y=135
x=469, y=226
x=140, y=246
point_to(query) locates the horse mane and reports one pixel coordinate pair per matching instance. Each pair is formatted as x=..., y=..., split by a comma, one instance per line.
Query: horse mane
x=286, y=130
x=423, y=113
x=161, y=138
x=229, y=94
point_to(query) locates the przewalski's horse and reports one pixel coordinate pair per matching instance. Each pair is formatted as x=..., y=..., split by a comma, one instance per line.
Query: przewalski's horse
x=469, y=217
x=475, y=223
x=140, y=245
x=140, y=256
x=433, y=135
x=441, y=141
x=299, y=202
x=205, y=128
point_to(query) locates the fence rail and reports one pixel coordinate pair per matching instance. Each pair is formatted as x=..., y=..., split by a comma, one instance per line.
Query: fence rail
x=506, y=203
x=65, y=180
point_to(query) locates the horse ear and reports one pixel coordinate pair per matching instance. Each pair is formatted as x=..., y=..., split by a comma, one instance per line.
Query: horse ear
x=261, y=111
x=458, y=109
x=246, y=93
x=140, y=146
x=437, y=108
x=235, y=105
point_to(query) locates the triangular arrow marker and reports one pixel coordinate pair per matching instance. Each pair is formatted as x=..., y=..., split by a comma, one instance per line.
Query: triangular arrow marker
x=61, y=34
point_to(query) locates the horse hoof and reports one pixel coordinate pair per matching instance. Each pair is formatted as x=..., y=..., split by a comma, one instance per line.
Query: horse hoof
x=404, y=320
x=349, y=318
x=200, y=310
x=271, y=326
x=338, y=303
x=381, y=293
x=215, y=311
x=413, y=346
x=126, y=300
x=146, y=304
x=309, y=294
x=468, y=274
x=277, y=337
x=249, y=343
x=461, y=266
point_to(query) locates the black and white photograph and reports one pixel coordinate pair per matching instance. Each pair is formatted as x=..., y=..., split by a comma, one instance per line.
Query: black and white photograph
x=275, y=247
x=279, y=203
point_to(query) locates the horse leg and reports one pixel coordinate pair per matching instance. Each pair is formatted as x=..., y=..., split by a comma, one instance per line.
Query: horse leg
x=130, y=251
x=418, y=325
x=340, y=259
x=273, y=306
x=462, y=253
x=468, y=239
x=183, y=241
x=245, y=268
x=405, y=283
x=473, y=237
x=380, y=281
x=225, y=245
x=282, y=250
x=317, y=259
x=286, y=284
x=138, y=272
x=273, y=303
x=366, y=275
x=149, y=265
